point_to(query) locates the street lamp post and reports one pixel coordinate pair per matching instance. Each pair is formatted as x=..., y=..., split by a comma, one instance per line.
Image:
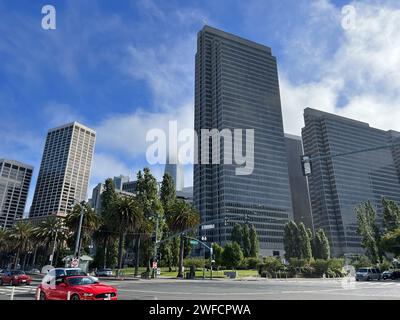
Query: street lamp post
x=157, y=217
x=78, y=237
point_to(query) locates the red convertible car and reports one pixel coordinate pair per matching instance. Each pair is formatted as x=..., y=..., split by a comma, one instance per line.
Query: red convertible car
x=15, y=277
x=76, y=288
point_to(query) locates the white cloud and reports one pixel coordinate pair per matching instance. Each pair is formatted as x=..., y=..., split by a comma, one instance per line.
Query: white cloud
x=126, y=133
x=59, y=113
x=360, y=80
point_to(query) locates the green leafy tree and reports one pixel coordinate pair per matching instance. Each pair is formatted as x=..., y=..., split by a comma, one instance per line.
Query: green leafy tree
x=391, y=215
x=368, y=229
x=291, y=240
x=236, y=234
x=217, y=252
x=167, y=193
x=321, y=245
x=105, y=235
x=168, y=198
x=185, y=217
x=232, y=255
x=390, y=242
x=246, y=240
x=254, y=243
x=148, y=198
x=304, y=242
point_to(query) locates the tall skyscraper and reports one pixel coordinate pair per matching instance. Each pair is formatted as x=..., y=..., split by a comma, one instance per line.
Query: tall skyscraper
x=15, y=179
x=298, y=182
x=176, y=171
x=119, y=181
x=64, y=170
x=236, y=86
x=340, y=184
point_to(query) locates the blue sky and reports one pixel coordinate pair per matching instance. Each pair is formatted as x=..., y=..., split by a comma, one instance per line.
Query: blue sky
x=124, y=67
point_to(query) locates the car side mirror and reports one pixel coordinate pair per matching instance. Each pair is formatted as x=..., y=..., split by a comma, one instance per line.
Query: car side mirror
x=62, y=284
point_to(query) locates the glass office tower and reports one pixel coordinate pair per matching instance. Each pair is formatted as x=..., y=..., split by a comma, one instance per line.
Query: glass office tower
x=338, y=185
x=236, y=86
x=15, y=179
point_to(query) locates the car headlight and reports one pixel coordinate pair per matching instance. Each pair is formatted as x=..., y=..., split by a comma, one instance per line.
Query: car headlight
x=88, y=294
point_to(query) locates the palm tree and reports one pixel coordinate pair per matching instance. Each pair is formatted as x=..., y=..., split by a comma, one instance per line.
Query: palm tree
x=21, y=234
x=4, y=244
x=128, y=216
x=3, y=239
x=183, y=217
x=91, y=222
x=51, y=229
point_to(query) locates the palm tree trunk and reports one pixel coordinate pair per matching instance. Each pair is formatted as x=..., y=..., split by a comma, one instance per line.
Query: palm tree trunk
x=181, y=249
x=17, y=257
x=120, y=250
x=137, y=255
x=34, y=256
x=105, y=243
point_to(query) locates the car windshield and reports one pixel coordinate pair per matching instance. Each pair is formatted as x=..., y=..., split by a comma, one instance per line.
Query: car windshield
x=16, y=273
x=75, y=272
x=362, y=270
x=79, y=281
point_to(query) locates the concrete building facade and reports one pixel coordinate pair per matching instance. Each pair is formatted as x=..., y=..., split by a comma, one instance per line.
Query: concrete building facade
x=64, y=170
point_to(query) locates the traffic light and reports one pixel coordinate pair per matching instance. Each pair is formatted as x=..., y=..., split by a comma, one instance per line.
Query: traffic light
x=306, y=165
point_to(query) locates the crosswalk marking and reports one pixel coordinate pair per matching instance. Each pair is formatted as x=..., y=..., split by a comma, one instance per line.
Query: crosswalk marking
x=6, y=290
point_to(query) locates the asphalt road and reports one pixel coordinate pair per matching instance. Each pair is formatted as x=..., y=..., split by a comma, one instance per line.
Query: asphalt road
x=256, y=289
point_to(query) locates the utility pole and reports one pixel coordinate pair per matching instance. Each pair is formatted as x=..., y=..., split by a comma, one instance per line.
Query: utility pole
x=78, y=237
x=154, y=275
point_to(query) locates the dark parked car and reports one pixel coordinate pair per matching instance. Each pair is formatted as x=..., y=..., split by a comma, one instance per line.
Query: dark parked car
x=387, y=274
x=391, y=275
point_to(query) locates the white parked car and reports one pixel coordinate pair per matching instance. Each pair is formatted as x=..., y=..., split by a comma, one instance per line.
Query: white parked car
x=60, y=272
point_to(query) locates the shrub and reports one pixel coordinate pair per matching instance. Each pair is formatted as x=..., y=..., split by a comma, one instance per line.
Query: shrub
x=270, y=266
x=250, y=263
x=198, y=262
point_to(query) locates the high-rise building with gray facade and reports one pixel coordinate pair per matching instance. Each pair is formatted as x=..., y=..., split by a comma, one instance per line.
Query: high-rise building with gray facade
x=236, y=87
x=15, y=179
x=64, y=170
x=298, y=182
x=339, y=184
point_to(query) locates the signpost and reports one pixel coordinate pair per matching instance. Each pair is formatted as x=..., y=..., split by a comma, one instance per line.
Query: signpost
x=75, y=263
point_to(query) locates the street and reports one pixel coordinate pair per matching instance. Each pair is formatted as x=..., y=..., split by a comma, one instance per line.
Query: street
x=251, y=289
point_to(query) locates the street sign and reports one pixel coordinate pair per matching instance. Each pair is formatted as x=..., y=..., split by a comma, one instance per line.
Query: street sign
x=306, y=165
x=75, y=263
x=193, y=242
x=154, y=264
x=208, y=226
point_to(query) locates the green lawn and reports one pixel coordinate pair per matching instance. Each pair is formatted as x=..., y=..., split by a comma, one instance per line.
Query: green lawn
x=199, y=272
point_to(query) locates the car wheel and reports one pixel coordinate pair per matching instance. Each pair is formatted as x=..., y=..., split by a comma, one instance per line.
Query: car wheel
x=75, y=297
x=368, y=279
x=42, y=296
x=1, y=282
